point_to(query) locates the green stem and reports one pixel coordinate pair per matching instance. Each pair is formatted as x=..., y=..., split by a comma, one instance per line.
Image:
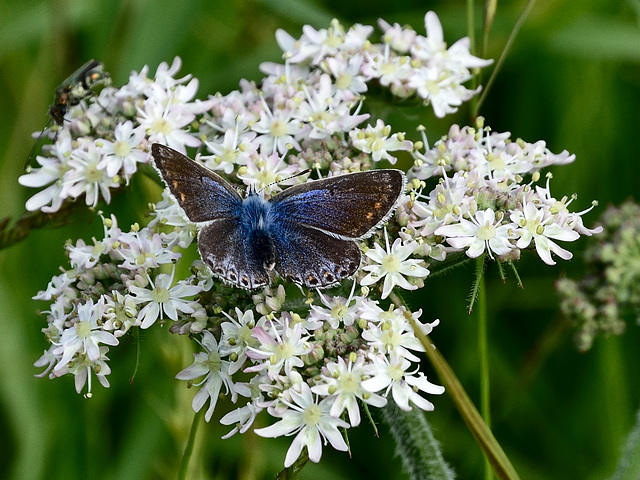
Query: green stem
x=188, y=449
x=14, y=232
x=292, y=472
x=516, y=28
x=483, y=353
x=470, y=26
x=472, y=47
x=499, y=462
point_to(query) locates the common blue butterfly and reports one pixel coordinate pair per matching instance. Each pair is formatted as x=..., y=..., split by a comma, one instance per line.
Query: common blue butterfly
x=307, y=233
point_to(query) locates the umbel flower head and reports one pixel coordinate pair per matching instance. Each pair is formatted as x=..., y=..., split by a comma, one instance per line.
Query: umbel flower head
x=309, y=359
x=609, y=293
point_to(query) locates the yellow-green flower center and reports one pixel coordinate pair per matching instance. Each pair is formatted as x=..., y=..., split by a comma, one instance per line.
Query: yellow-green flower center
x=312, y=415
x=278, y=128
x=83, y=329
x=160, y=125
x=349, y=382
x=486, y=231
x=121, y=149
x=214, y=362
x=391, y=263
x=160, y=295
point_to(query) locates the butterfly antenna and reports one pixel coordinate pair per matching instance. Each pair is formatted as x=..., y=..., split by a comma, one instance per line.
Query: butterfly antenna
x=303, y=172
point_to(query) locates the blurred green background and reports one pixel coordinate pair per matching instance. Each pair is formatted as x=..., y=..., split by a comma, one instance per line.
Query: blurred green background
x=572, y=79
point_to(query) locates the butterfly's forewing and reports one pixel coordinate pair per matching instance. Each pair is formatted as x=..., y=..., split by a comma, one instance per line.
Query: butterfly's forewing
x=315, y=259
x=202, y=194
x=223, y=248
x=348, y=206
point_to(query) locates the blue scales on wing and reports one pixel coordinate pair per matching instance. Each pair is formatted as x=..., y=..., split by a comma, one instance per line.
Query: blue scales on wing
x=348, y=206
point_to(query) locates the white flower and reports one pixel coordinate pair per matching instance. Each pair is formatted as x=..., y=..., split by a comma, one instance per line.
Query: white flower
x=541, y=227
x=448, y=202
x=390, y=373
x=399, y=38
x=59, y=286
x=120, y=313
x=442, y=89
x=433, y=48
x=389, y=331
x=393, y=265
x=144, y=249
x=348, y=81
x=311, y=421
x=243, y=417
x=391, y=71
x=377, y=142
x=340, y=312
x=216, y=371
x=50, y=173
x=324, y=113
x=123, y=154
x=84, y=176
x=279, y=350
x=342, y=383
x=277, y=130
x=481, y=232
x=267, y=172
x=314, y=44
x=82, y=367
x=85, y=256
x=237, y=335
x=167, y=125
x=229, y=152
x=48, y=360
x=85, y=336
x=161, y=299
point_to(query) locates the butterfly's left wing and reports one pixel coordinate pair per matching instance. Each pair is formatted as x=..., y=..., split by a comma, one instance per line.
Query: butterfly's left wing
x=202, y=194
x=346, y=206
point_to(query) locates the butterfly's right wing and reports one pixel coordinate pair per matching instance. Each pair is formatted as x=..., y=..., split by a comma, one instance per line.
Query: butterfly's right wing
x=202, y=194
x=347, y=206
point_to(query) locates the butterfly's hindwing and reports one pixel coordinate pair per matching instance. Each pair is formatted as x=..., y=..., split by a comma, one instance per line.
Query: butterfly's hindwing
x=224, y=248
x=349, y=206
x=202, y=194
x=315, y=259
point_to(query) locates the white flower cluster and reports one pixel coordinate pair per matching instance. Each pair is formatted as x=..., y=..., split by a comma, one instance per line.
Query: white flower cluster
x=305, y=361
x=487, y=204
x=106, y=137
x=305, y=370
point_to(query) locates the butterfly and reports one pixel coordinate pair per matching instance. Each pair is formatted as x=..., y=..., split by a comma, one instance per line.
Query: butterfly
x=307, y=233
